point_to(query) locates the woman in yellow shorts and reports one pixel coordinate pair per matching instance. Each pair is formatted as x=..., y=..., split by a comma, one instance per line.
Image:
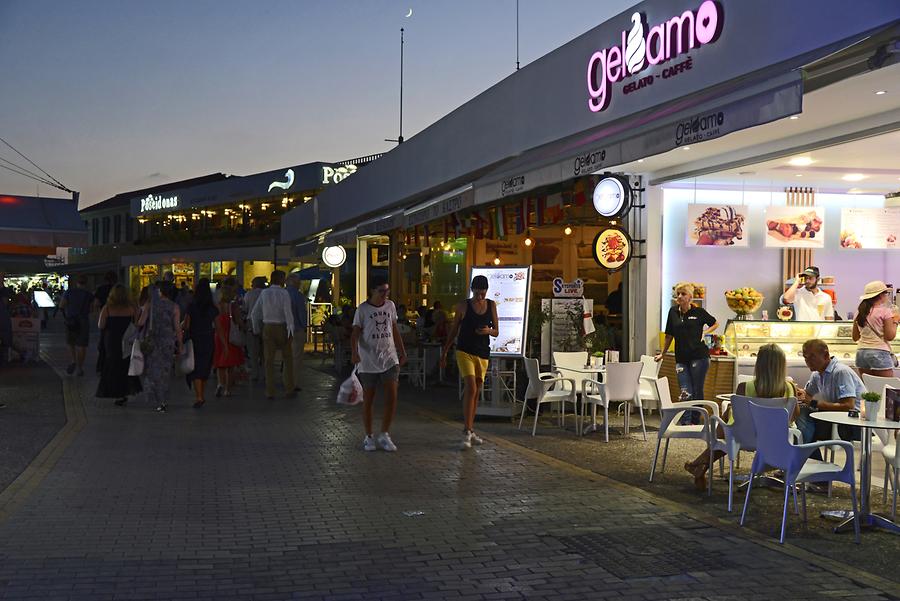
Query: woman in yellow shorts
x=475, y=322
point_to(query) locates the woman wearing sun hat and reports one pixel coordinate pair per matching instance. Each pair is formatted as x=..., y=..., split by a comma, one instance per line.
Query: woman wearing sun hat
x=873, y=329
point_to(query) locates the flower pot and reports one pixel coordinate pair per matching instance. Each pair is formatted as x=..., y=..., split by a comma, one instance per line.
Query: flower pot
x=872, y=410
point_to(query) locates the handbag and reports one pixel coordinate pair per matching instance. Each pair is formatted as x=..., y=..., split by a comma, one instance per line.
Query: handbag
x=136, y=363
x=128, y=338
x=186, y=358
x=235, y=334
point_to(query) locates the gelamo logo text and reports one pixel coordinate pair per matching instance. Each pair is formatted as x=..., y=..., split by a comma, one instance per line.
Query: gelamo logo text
x=638, y=49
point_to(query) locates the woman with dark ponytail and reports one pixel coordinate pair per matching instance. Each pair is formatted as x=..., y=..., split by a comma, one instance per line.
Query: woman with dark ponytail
x=874, y=328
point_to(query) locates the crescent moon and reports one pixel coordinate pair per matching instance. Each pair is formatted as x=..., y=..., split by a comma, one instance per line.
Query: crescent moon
x=409, y=14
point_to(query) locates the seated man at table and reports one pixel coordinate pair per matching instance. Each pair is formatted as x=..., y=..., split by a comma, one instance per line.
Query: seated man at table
x=832, y=386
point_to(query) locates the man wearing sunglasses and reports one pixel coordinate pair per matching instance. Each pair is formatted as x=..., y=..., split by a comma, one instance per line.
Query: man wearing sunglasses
x=378, y=353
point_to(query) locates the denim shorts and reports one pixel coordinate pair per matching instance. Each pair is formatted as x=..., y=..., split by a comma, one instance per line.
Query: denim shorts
x=871, y=358
x=372, y=380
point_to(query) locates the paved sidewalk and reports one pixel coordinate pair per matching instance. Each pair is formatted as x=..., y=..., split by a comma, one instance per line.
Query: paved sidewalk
x=255, y=499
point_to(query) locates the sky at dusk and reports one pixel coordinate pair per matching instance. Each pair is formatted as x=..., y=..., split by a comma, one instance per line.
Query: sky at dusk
x=117, y=95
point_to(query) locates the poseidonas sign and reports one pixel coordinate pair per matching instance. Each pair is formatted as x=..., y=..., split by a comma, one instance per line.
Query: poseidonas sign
x=644, y=46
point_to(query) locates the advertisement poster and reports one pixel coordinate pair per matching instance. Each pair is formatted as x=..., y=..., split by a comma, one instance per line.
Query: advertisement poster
x=795, y=227
x=870, y=228
x=509, y=288
x=612, y=248
x=716, y=225
x=562, y=332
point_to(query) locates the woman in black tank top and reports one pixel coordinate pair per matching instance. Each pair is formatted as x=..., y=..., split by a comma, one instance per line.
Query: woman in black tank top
x=473, y=325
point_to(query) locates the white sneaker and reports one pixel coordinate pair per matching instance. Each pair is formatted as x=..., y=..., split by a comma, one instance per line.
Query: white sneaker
x=467, y=441
x=385, y=442
x=475, y=438
x=369, y=444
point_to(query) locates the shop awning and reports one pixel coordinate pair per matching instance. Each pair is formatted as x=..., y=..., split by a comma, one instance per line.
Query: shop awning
x=306, y=249
x=445, y=204
x=345, y=237
x=381, y=225
x=22, y=264
x=695, y=119
x=314, y=273
x=31, y=225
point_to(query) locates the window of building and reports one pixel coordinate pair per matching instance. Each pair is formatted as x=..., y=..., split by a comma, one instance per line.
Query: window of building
x=95, y=231
x=129, y=229
x=106, y=230
x=117, y=229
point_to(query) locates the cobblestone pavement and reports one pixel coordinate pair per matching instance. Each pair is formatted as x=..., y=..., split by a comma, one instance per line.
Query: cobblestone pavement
x=249, y=498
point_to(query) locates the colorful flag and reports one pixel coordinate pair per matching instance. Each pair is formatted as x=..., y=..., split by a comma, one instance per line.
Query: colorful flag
x=578, y=192
x=499, y=225
x=554, y=211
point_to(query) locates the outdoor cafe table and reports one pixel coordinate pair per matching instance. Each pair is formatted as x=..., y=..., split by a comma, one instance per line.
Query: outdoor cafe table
x=866, y=517
x=591, y=373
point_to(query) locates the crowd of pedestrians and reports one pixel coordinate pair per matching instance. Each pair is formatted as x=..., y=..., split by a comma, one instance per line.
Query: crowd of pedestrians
x=143, y=341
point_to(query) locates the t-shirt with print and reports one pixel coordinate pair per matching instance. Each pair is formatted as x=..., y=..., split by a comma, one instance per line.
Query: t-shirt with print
x=377, y=352
x=810, y=306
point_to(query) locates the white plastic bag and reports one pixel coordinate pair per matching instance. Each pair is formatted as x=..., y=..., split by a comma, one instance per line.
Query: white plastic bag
x=351, y=391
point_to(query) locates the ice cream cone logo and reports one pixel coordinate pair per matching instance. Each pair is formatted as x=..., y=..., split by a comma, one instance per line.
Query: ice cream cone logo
x=636, y=48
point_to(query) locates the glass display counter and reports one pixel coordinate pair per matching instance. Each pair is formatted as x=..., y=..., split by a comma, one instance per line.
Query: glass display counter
x=744, y=337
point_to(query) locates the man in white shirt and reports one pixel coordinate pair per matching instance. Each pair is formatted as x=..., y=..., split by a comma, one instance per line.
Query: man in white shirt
x=254, y=342
x=810, y=303
x=273, y=317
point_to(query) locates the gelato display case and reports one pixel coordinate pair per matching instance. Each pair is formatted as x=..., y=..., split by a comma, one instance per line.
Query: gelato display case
x=744, y=337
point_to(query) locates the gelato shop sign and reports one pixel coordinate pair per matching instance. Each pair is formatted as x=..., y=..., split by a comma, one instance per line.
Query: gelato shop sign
x=158, y=203
x=642, y=47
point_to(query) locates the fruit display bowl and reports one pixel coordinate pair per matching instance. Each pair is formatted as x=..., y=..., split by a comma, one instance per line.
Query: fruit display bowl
x=744, y=301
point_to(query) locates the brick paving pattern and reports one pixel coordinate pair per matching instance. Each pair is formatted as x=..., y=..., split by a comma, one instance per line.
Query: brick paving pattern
x=256, y=499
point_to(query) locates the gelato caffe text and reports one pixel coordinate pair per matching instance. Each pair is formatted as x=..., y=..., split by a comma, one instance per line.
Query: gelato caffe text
x=661, y=43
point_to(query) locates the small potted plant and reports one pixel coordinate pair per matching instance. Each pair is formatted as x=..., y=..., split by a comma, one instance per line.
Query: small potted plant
x=873, y=403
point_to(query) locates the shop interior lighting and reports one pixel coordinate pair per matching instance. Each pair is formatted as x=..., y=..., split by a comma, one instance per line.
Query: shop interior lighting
x=800, y=162
x=853, y=177
x=568, y=230
x=798, y=175
x=264, y=206
x=528, y=239
x=497, y=258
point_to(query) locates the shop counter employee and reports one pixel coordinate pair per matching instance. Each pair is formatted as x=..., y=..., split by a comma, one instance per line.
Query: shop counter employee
x=685, y=326
x=810, y=303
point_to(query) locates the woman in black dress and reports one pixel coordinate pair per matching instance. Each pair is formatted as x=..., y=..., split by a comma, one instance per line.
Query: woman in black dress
x=115, y=317
x=199, y=325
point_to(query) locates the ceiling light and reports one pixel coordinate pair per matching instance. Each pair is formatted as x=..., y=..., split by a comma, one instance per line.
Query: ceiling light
x=568, y=230
x=881, y=92
x=497, y=258
x=854, y=191
x=800, y=161
x=794, y=117
x=686, y=148
x=853, y=177
x=640, y=160
x=798, y=175
x=528, y=240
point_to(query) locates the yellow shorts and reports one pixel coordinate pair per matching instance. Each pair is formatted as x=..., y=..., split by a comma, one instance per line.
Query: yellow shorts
x=471, y=365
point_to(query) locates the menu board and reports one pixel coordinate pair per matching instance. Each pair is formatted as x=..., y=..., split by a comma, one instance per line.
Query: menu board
x=716, y=225
x=870, y=228
x=795, y=227
x=510, y=289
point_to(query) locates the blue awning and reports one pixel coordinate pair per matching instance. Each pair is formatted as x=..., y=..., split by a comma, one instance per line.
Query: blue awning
x=30, y=221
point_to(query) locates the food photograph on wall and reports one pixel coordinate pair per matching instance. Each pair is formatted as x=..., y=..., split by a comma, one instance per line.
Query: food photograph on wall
x=716, y=225
x=795, y=227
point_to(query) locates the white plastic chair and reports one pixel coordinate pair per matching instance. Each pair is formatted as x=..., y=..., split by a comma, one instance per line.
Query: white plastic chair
x=565, y=365
x=414, y=369
x=649, y=374
x=773, y=449
x=741, y=434
x=887, y=443
x=669, y=428
x=541, y=389
x=620, y=385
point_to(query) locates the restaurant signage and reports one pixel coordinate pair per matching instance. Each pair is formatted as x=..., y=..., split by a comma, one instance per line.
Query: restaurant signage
x=642, y=47
x=285, y=185
x=440, y=207
x=510, y=289
x=512, y=185
x=334, y=256
x=334, y=175
x=612, y=248
x=611, y=196
x=152, y=203
x=563, y=289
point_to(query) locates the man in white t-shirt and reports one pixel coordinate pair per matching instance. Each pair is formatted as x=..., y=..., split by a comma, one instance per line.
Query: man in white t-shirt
x=378, y=353
x=810, y=303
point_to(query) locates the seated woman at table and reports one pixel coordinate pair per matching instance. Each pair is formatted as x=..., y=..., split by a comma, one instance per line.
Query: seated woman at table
x=769, y=381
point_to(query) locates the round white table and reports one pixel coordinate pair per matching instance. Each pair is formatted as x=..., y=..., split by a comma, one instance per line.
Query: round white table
x=591, y=372
x=866, y=517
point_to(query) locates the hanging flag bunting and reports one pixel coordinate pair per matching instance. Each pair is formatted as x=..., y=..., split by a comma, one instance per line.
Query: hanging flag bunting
x=554, y=211
x=541, y=209
x=520, y=221
x=457, y=226
x=526, y=210
x=499, y=218
x=427, y=236
x=446, y=230
x=578, y=193
x=417, y=236
x=408, y=238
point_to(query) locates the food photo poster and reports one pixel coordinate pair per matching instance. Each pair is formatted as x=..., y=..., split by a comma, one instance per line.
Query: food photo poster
x=795, y=227
x=870, y=228
x=716, y=225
